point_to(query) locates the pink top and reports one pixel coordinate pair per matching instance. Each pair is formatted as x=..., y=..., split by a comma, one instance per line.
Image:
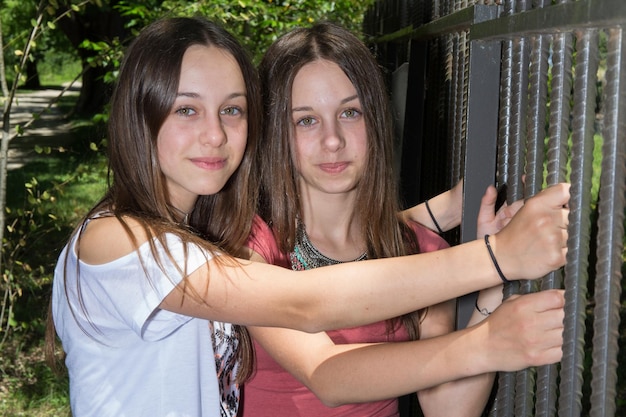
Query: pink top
x=273, y=392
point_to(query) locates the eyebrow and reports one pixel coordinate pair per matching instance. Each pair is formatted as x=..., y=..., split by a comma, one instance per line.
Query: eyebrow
x=196, y=95
x=308, y=108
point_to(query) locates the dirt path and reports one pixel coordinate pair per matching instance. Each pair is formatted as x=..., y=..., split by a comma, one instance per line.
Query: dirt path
x=51, y=129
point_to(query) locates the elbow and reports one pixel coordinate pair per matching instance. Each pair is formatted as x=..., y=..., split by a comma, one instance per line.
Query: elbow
x=328, y=396
x=311, y=318
x=307, y=322
x=329, y=391
x=313, y=325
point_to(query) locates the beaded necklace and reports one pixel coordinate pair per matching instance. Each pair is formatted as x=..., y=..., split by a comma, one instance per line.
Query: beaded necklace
x=306, y=256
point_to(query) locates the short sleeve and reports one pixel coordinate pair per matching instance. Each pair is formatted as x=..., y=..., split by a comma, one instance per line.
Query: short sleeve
x=428, y=240
x=154, y=322
x=125, y=294
x=263, y=242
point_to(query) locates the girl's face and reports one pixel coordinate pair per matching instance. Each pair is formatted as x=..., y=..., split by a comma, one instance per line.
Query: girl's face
x=330, y=141
x=203, y=139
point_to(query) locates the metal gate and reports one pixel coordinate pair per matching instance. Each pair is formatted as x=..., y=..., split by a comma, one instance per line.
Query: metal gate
x=525, y=94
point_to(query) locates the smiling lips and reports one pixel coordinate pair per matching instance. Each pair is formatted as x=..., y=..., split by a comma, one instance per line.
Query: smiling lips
x=334, y=167
x=212, y=164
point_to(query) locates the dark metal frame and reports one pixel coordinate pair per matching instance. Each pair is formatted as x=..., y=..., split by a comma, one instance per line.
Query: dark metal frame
x=481, y=105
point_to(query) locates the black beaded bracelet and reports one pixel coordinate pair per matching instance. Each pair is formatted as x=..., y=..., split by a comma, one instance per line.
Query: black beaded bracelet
x=482, y=311
x=495, y=262
x=432, y=217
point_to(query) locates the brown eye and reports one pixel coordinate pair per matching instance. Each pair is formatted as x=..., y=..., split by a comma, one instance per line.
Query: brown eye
x=305, y=121
x=185, y=111
x=232, y=111
x=351, y=113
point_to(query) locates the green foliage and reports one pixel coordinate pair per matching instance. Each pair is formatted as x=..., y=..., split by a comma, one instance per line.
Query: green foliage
x=57, y=191
x=18, y=19
x=47, y=197
x=256, y=23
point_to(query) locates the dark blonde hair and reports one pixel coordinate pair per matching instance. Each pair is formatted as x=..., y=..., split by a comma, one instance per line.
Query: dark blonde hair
x=143, y=97
x=377, y=201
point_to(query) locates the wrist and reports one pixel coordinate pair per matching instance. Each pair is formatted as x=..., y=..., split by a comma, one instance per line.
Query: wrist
x=446, y=209
x=491, y=251
x=481, y=347
x=437, y=228
x=487, y=302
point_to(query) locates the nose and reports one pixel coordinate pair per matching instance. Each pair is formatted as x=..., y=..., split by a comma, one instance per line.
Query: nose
x=333, y=138
x=213, y=132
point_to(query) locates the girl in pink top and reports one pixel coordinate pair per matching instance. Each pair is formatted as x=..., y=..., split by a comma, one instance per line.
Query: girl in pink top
x=330, y=197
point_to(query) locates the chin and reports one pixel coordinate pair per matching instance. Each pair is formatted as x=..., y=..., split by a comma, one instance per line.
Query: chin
x=212, y=189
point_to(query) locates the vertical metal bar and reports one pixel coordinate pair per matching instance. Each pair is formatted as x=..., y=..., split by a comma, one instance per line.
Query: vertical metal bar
x=456, y=82
x=447, y=53
x=536, y=131
x=517, y=126
x=482, y=127
x=504, y=404
x=524, y=379
x=537, y=111
x=610, y=231
x=460, y=127
x=460, y=106
x=460, y=161
x=580, y=211
x=558, y=134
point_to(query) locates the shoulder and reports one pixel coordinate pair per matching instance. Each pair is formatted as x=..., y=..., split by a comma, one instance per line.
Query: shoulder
x=105, y=239
x=428, y=240
x=263, y=242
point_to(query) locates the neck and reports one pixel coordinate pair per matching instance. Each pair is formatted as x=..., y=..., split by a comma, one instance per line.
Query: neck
x=306, y=255
x=180, y=215
x=332, y=227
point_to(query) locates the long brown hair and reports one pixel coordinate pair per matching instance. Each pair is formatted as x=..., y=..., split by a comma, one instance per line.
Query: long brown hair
x=143, y=97
x=377, y=201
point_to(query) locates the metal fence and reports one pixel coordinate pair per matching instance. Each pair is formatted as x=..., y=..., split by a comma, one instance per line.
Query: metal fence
x=525, y=94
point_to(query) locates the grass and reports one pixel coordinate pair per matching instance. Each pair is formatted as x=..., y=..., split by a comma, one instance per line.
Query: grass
x=28, y=387
x=57, y=73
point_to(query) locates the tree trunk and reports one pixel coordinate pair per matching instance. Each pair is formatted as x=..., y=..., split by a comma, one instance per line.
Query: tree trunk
x=95, y=24
x=3, y=79
x=32, y=76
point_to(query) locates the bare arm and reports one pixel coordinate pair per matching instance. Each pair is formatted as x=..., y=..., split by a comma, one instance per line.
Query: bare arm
x=446, y=207
x=526, y=331
x=250, y=293
x=371, y=370
x=472, y=393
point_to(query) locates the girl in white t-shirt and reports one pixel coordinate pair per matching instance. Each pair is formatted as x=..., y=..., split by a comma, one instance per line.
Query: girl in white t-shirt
x=152, y=262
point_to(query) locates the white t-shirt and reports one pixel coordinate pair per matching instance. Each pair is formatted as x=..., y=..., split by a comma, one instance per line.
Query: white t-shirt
x=135, y=359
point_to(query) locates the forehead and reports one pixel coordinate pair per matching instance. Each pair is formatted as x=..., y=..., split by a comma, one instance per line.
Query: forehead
x=321, y=77
x=321, y=68
x=210, y=65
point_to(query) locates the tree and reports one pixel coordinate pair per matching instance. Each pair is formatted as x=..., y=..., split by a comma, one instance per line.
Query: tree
x=256, y=23
x=94, y=31
x=43, y=20
x=8, y=96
